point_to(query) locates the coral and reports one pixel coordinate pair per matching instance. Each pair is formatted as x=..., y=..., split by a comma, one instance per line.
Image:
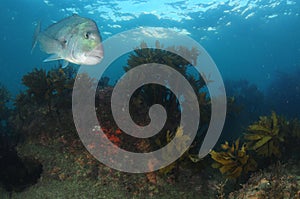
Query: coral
x=265, y=136
x=234, y=161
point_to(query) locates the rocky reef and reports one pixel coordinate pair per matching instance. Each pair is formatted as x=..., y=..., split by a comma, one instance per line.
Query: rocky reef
x=46, y=158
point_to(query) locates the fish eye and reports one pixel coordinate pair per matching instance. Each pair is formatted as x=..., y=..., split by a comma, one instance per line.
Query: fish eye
x=87, y=35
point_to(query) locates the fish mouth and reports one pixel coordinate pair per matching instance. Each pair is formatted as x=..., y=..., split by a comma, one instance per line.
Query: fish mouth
x=95, y=56
x=93, y=59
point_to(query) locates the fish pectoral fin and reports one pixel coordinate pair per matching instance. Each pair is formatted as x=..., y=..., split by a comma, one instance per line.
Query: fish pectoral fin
x=53, y=58
x=65, y=64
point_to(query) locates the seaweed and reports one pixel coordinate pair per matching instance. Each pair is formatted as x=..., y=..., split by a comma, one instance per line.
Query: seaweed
x=4, y=109
x=265, y=136
x=234, y=161
x=37, y=84
x=180, y=143
x=291, y=131
x=45, y=105
x=144, y=97
x=43, y=87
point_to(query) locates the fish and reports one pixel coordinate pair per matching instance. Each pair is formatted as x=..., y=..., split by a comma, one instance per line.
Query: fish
x=74, y=39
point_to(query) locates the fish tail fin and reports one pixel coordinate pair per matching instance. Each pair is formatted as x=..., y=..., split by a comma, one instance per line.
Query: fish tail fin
x=35, y=36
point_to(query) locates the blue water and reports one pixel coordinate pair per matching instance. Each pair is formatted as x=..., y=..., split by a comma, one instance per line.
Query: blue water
x=249, y=39
x=254, y=43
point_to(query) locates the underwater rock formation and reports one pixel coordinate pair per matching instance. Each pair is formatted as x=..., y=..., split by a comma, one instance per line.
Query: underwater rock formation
x=277, y=181
x=17, y=173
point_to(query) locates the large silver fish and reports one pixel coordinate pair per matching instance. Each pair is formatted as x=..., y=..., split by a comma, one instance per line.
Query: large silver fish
x=74, y=39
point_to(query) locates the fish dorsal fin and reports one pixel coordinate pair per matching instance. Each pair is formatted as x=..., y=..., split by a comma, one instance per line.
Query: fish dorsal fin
x=52, y=58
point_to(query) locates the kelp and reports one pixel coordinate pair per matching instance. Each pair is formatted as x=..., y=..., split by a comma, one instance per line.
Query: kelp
x=234, y=161
x=38, y=85
x=295, y=128
x=4, y=109
x=48, y=88
x=180, y=141
x=291, y=144
x=147, y=95
x=4, y=99
x=46, y=103
x=265, y=136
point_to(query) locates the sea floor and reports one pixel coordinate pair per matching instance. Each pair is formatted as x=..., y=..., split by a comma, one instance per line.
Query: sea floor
x=69, y=171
